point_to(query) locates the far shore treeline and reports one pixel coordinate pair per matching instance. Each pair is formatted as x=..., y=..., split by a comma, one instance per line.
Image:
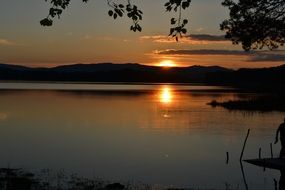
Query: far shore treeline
x=272, y=78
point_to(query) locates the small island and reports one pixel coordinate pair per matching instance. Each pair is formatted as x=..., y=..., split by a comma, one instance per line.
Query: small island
x=265, y=103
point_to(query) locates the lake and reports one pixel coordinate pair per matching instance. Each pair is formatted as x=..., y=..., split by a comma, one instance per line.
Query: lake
x=163, y=134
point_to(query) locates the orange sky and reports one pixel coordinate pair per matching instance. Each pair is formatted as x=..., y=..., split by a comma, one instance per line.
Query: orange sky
x=86, y=34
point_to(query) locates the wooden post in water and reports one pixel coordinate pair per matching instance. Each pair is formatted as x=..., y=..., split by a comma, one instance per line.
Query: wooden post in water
x=264, y=168
x=271, y=150
x=243, y=176
x=259, y=153
x=227, y=160
x=241, y=155
x=275, y=184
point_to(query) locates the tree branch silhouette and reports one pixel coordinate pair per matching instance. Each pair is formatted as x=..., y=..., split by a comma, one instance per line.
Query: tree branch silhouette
x=254, y=24
x=132, y=11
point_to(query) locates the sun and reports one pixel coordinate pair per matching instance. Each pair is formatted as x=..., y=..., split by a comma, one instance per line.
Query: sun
x=167, y=63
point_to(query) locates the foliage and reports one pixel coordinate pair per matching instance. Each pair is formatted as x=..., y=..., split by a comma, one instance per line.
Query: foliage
x=118, y=9
x=177, y=5
x=255, y=23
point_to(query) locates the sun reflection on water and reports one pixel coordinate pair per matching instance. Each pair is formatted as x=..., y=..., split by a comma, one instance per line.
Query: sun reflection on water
x=166, y=100
x=166, y=95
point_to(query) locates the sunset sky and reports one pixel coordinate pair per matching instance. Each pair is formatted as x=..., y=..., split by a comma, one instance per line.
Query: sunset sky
x=86, y=34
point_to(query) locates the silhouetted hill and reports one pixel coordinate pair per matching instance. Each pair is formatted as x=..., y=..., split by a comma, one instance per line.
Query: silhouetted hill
x=12, y=67
x=255, y=79
x=99, y=67
x=272, y=78
x=108, y=72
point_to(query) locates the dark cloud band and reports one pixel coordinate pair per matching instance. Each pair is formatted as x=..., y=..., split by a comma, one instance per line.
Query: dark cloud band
x=203, y=52
x=259, y=56
x=207, y=37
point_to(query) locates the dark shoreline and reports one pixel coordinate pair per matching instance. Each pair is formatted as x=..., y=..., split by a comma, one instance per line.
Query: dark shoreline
x=263, y=103
x=46, y=179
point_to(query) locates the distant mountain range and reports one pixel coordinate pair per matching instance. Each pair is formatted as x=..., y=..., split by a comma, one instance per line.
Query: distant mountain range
x=265, y=78
x=109, y=72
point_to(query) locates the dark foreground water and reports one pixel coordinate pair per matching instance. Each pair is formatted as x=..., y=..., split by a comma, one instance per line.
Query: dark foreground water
x=156, y=134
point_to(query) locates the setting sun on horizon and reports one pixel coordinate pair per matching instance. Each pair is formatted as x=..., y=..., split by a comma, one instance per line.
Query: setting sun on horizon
x=167, y=63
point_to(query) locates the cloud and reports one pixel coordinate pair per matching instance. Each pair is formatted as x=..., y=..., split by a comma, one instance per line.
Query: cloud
x=5, y=42
x=126, y=40
x=267, y=57
x=201, y=52
x=87, y=37
x=200, y=29
x=208, y=37
x=193, y=39
x=157, y=38
x=257, y=56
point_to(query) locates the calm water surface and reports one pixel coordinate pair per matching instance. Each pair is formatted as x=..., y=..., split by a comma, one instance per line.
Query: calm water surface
x=157, y=134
